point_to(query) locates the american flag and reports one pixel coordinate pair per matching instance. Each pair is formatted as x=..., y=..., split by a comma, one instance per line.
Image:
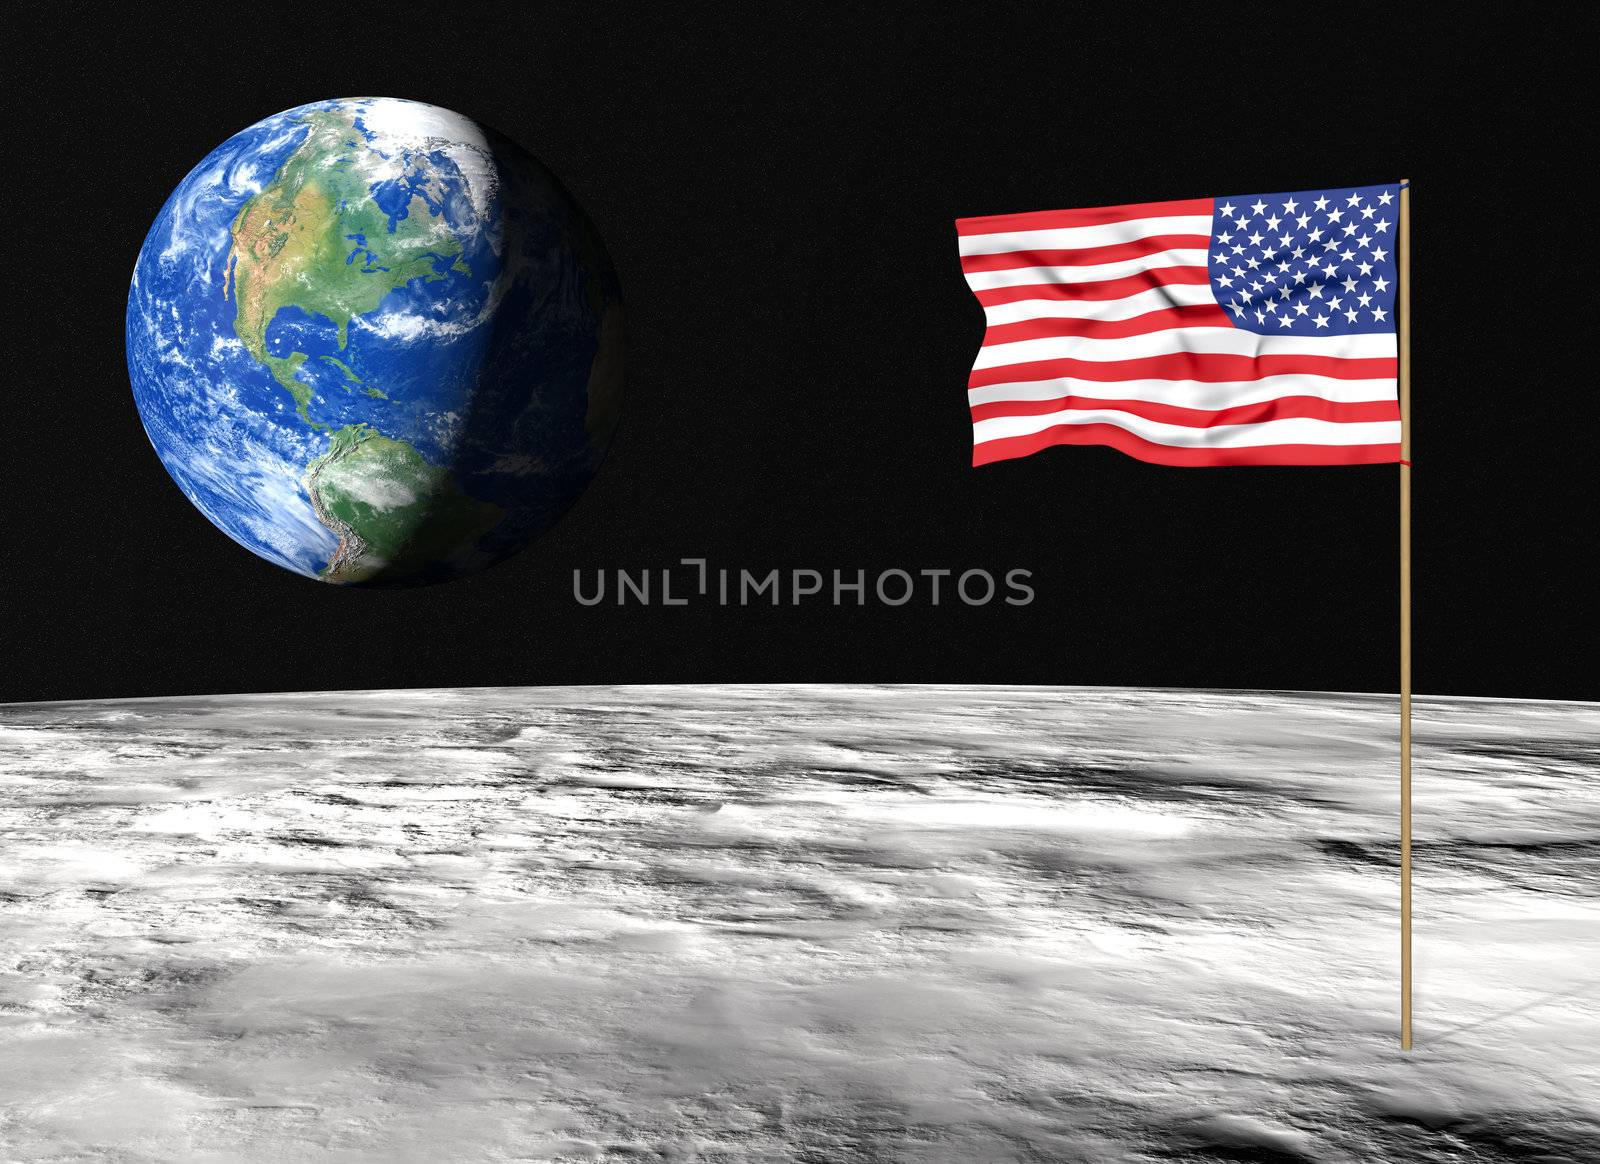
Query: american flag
x=1247, y=330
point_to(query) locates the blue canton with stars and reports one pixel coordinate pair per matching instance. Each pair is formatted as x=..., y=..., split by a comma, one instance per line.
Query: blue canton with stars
x=1317, y=262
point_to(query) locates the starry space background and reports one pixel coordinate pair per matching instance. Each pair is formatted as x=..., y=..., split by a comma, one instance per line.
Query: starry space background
x=778, y=196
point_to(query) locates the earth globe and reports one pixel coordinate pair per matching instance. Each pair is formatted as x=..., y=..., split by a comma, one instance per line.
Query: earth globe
x=376, y=343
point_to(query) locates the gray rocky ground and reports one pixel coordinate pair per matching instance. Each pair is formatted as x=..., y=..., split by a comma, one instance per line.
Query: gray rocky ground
x=826, y=924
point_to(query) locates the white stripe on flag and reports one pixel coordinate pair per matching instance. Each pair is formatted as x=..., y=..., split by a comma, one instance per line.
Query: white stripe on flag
x=1222, y=341
x=1095, y=273
x=1190, y=393
x=1290, y=431
x=1129, y=307
x=1072, y=238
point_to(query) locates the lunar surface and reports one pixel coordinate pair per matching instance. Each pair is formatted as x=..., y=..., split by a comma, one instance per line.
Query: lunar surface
x=818, y=924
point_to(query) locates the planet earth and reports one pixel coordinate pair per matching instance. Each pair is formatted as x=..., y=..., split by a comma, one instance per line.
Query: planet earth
x=376, y=343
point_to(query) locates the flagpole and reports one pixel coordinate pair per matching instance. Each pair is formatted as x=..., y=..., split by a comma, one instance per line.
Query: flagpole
x=1405, y=614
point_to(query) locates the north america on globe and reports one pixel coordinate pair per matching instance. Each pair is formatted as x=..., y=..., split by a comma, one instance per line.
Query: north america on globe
x=376, y=343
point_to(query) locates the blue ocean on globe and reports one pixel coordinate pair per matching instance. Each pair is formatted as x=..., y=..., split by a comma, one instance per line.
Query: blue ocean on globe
x=375, y=342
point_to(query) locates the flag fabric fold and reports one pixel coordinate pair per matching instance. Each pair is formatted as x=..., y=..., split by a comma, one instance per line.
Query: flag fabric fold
x=1246, y=330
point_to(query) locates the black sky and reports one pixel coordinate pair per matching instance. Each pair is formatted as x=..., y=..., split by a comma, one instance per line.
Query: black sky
x=778, y=201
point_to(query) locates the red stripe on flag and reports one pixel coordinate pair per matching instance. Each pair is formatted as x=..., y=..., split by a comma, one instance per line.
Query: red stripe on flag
x=1198, y=315
x=1094, y=216
x=1206, y=368
x=1086, y=256
x=1281, y=408
x=1124, y=441
x=1104, y=289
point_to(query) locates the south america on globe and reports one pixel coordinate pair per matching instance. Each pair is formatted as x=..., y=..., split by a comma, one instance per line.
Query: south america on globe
x=375, y=342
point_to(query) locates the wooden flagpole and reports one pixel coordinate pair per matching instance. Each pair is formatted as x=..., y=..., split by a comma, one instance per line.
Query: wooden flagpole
x=1405, y=614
